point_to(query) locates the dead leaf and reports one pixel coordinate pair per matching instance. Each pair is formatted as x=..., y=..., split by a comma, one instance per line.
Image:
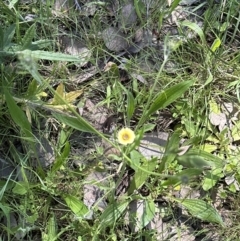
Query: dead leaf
x=128, y=16
x=71, y=96
x=219, y=120
x=114, y=39
x=183, y=149
x=75, y=47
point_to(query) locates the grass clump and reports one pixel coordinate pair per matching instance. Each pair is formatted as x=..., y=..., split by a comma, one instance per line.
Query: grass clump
x=120, y=145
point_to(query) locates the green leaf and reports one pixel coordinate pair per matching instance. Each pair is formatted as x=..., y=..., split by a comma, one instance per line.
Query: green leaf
x=170, y=151
x=77, y=206
x=60, y=160
x=140, y=9
x=195, y=28
x=40, y=54
x=6, y=211
x=130, y=105
x=141, y=212
x=32, y=89
x=182, y=177
x=52, y=228
x=216, y=44
x=12, y=3
x=77, y=123
x=211, y=178
x=141, y=176
x=112, y=213
x=28, y=37
x=201, y=210
x=20, y=188
x=8, y=36
x=169, y=96
x=136, y=157
x=10, y=14
x=17, y=114
x=174, y=4
x=213, y=160
x=193, y=161
x=148, y=127
x=149, y=212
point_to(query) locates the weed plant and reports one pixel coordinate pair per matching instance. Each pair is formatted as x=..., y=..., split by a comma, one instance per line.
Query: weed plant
x=42, y=192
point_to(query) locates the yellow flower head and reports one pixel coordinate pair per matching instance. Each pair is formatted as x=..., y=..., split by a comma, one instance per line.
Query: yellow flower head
x=125, y=136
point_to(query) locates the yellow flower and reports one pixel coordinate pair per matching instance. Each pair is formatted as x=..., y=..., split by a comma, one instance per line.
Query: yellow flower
x=125, y=136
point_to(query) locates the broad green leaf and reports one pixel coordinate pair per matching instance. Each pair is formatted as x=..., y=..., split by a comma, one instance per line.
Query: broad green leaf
x=136, y=157
x=130, y=105
x=208, y=147
x=8, y=36
x=170, y=151
x=40, y=54
x=236, y=131
x=112, y=213
x=77, y=123
x=28, y=37
x=211, y=178
x=77, y=206
x=51, y=228
x=29, y=63
x=20, y=188
x=32, y=88
x=148, y=127
x=141, y=212
x=201, y=210
x=196, y=29
x=17, y=114
x=60, y=160
x=183, y=177
x=6, y=211
x=193, y=161
x=169, y=96
x=214, y=160
x=216, y=44
x=141, y=176
x=149, y=212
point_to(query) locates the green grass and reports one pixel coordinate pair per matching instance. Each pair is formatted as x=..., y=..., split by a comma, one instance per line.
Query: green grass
x=41, y=107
